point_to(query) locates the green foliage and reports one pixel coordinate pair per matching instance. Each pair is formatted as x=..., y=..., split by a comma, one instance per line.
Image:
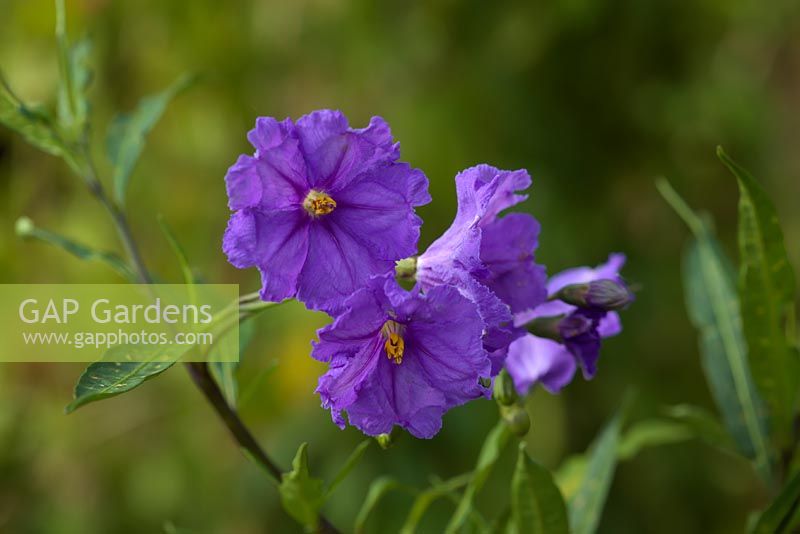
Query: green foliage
x=767, y=293
x=682, y=423
x=586, y=506
x=26, y=229
x=76, y=76
x=301, y=495
x=429, y=496
x=493, y=446
x=651, y=433
x=783, y=515
x=126, y=134
x=701, y=424
x=34, y=124
x=713, y=308
x=109, y=378
x=537, y=506
x=348, y=466
x=224, y=372
x=377, y=490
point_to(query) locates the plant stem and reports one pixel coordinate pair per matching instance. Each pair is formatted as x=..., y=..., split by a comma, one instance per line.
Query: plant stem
x=198, y=371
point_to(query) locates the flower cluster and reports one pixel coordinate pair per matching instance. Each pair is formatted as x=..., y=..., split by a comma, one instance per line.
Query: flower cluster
x=327, y=214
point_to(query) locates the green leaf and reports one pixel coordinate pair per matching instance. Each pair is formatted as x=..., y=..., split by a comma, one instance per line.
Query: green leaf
x=586, y=506
x=537, y=506
x=302, y=495
x=224, y=372
x=767, y=291
x=73, y=105
x=348, y=466
x=493, y=446
x=701, y=424
x=126, y=134
x=178, y=250
x=111, y=376
x=713, y=308
x=428, y=497
x=651, y=433
x=25, y=228
x=34, y=125
x=783, y=515
x=377, y=490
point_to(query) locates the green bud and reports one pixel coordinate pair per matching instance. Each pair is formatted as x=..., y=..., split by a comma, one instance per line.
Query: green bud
x=517, y=419
x=24, y=227
x=546, y=327
x=504, y=391
x=387, y=441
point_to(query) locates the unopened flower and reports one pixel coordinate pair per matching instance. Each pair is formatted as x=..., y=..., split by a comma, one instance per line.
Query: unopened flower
x=320, y=207
x=606, y=294
x=401, y=358
x=567, y=335
x=490, y=258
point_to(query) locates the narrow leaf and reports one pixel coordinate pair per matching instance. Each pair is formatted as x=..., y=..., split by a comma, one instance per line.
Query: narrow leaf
x=126, y=134
x=178, y=250
x=301, y=495
x=767, y=290
x=377, y=490
x=348, y=466
x=34, y=125
x=25, y=228
x=537, y=506
x=428, y=497
x=111, y=376
x=651, y=433
x=76, y=76
x=493, y=446
x=224, y=372
x=701, y=424
x=784, y=512
x=713, y=308
x=586, y=506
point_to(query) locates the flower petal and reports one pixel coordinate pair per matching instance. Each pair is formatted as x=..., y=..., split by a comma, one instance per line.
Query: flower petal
x=336, y=153
x=243, y=184
x=444, y=337
x=377, y=210
x=276, y=242
x=507, y=247
x=534, y=360
x=336, y=266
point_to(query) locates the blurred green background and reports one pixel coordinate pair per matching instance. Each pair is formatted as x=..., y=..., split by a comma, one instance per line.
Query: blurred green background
x=595, y=99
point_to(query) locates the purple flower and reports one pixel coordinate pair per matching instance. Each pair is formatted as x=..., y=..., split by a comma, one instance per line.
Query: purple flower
x=491, y=259
x=576, y=332
x=401, y=358
x=321, y=207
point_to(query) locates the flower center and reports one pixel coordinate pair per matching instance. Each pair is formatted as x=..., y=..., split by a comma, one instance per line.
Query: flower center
x=318, y=203
x=394, y=346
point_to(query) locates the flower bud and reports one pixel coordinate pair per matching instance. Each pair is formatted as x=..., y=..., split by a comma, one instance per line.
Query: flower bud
x=547, y=327
x=604, y=294
x=517, y=419
x=504, y=391
x=24, y=227
x=387, y=440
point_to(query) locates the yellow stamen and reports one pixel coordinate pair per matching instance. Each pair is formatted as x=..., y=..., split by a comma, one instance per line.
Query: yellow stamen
x=318, y=203
x=395, y=345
